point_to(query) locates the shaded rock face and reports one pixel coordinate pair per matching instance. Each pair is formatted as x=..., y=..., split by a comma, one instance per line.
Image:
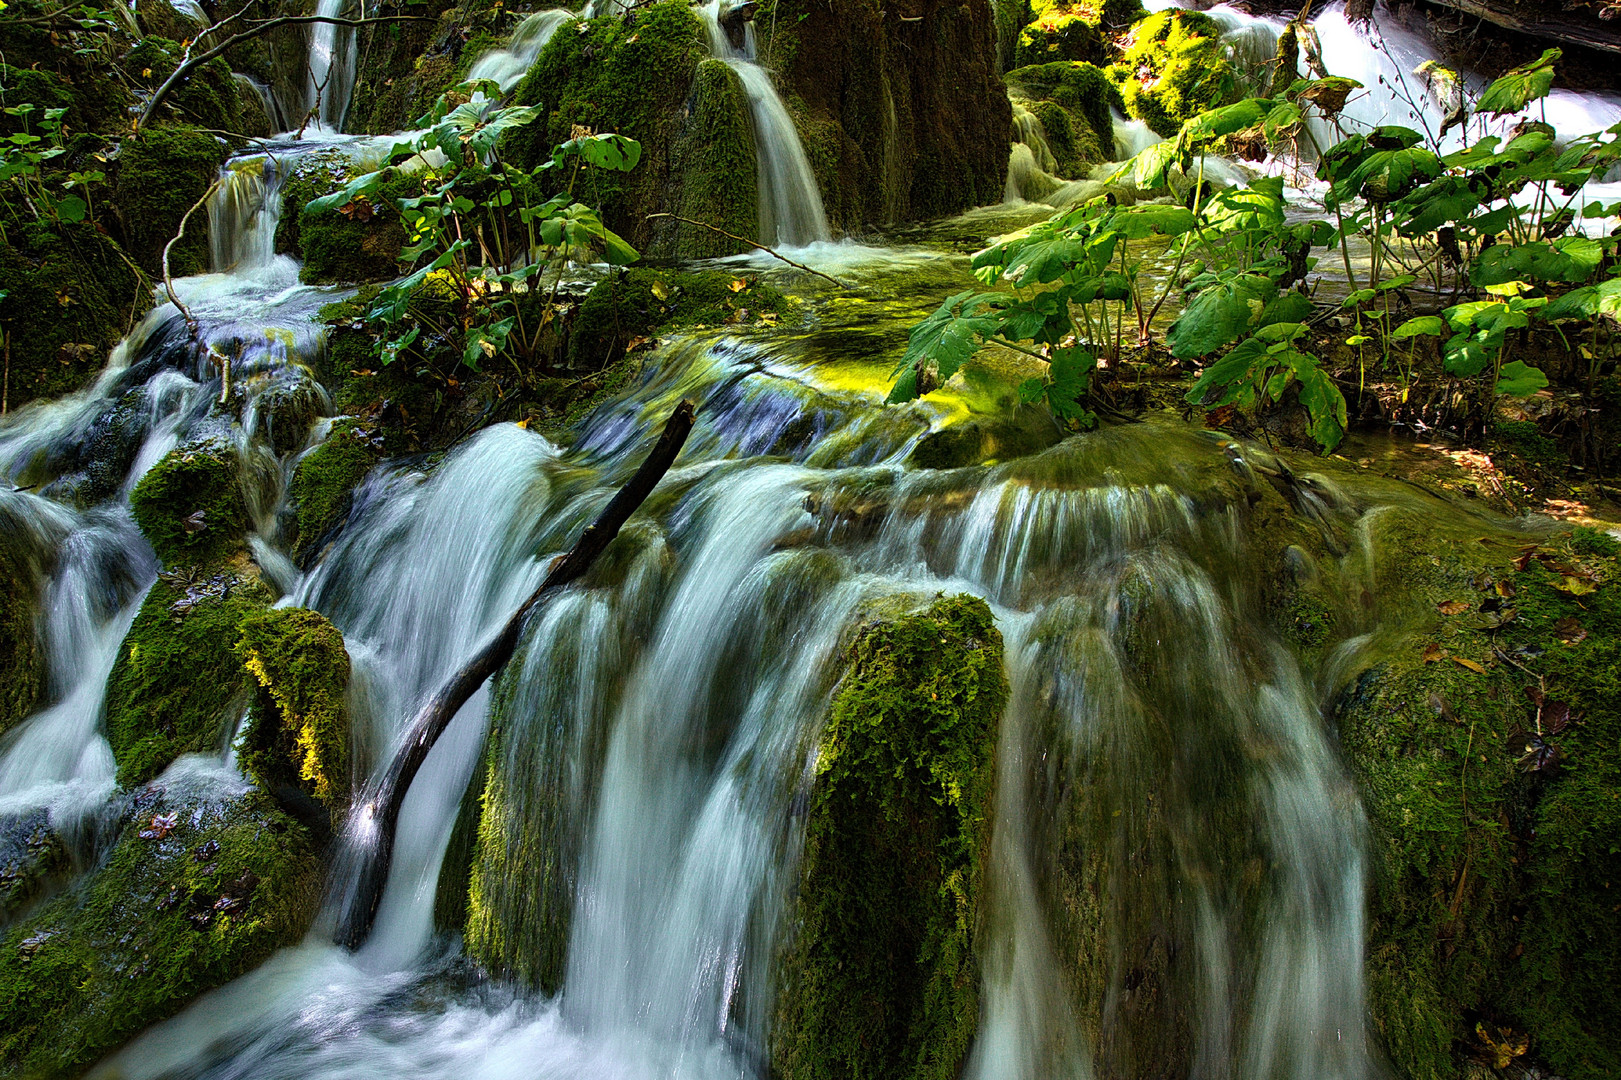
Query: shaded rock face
x=204, y=881
x=900, y=107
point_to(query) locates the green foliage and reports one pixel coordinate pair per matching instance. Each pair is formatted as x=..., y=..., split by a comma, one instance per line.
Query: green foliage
x=176, y=677
x=195, y=893
x=883, y=976
x=297, y=734
x=189, y=505
x=1261, y=368
x=323, y=484
x=1516, y=89
x=357, y=238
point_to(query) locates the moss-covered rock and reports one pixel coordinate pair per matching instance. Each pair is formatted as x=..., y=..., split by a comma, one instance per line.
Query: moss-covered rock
x=162, y=173
x=199, y=889
x=632, y=304
x=1082, y=90
x=189, y=505
x=358, y=242
x=176, y=679
x=1173, y=69
x=716, y=163
x=22, y=652
x=69, y=298
x=1493, y=885
x=882, y=977
x=630, y=75
x=32, y=856
x=207, y=98
x=297, y=735
x=1085, y=30
x=323, y=484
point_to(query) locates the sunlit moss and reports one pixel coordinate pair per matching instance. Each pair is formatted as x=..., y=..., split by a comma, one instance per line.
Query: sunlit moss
x=297, y=733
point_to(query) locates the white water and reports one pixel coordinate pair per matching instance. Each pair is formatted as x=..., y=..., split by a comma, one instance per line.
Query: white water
x=331, y=67
x=509, y=64
x=791, y=213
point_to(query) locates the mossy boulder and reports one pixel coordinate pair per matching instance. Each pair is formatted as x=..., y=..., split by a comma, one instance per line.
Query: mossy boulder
x=97, y=96
x=93, y=466
x=716, y=163
x=1084, y=93
x=882, y=976
x=177, y=683
x=69, y=298
x=189, y=505
x=207, y=98
x=22, y=650
x=633, y=304
x=630, y=75
x=357, y=242
x=1075, y=31
x=297, y=735
x=162, y=173
x=1493, y=817
x=323, y=484
x=1173, y=69
x=200, y=887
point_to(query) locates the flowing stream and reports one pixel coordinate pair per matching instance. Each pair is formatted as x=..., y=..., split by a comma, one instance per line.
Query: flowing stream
x=660, y=734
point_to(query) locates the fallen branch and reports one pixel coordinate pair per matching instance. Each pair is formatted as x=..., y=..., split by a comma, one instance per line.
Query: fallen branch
x=219, y=360
x=382, y=808
x=192, y=63
x=752, y=243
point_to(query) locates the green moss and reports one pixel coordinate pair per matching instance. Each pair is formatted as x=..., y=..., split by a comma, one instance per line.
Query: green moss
x=882, y=978
x=716, y=163
x=298, y=731
x=1175, y=69
x=1285, y=62
x=1081, y=89
x=22, y=652
x=194, y=894
x=1075, y=31
x=634, y=303
x=163, y=173
x=207, y=97
x=633, y=76
x=32, y=857
x=69, y=298
x=361, y=245
x=323, y=484
x=1075, y=147
x=189, y=505
x=176, y=676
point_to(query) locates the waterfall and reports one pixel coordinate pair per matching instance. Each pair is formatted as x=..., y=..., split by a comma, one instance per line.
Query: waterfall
x=331, y=68
x=243, y=214
x=791, y=213
x=507, y=65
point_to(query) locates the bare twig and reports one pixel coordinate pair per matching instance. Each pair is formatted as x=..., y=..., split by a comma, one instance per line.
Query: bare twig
x=752, y=243
x=382, y=808
x=191, y=64
x=219, y=360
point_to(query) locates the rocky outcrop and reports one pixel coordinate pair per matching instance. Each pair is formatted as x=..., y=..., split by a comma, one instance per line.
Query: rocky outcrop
x=900, y=106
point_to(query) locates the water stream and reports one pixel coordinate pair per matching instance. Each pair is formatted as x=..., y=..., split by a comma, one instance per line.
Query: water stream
x=662, y=728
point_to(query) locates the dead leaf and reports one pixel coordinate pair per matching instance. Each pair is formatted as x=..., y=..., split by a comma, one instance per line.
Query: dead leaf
x=162, y=825
x=635, y=343
x=1570, y=631
x=1505, y=589
x=1453, y=607
x=660, y=290
x=1441, y=708
x=524, y=423
x=1525, y=557
x=1576, y=586
x=1556, y=716
x=738, y=285
x=1470, y=664
x=1499, y=1046
x=1432, y=653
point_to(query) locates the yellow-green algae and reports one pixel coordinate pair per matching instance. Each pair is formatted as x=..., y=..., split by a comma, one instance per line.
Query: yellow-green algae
x=882, y=977
x=194, y=894
x=297, y=733
x=177, y=677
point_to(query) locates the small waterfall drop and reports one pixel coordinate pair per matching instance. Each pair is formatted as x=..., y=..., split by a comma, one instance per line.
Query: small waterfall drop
x=791, y=213
x=331, y=68
x=507, y=65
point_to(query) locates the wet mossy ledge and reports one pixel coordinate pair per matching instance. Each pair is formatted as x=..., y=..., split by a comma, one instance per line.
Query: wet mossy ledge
x=323, y=484
x=189, y=505
x=882, y=975
x=161, y=174
x=205, y=881
x=22, y=651
x=1486, y=745
x=297, y=735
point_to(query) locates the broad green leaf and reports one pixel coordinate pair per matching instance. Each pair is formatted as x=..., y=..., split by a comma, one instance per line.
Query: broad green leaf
x=359, y=186
x=1569, y=259
x=1215, y=123
x=1518, y=88
x=1231, y=380
x=1042, y=261
x=1221, y=313
x=1425, y=325
x=1070, y=372
x=1323, y=401
x=948, y=337
x=1588, y=302
x=1465, y=355
x=1519, y=379
x=1153, y=219
x=1259, y=206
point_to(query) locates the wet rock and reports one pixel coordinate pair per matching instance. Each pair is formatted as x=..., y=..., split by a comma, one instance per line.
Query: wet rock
x=151, y=929
x=31, y=854
x=986, y=438
x=882, y=977
x=288, y=409
x=323, y=484
x=190, y=505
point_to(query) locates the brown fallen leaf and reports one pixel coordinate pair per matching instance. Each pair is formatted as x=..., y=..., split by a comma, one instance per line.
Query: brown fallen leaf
x=1570, y=631
x=738, y=285
x=1470, y=664
x=1556, y=716
x=1505, y=589
x=1442, y=708
x=1453, y=607
x=1525, y=557
x=1432, y=653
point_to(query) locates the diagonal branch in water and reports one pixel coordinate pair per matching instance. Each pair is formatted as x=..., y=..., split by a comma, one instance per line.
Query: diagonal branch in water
x=383, y=805
x=773, y=252
x=220, y=361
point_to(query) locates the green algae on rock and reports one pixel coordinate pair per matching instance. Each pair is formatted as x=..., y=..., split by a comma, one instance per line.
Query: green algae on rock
x=715, y=160
x=22, y=652
x=190, y=506
x=882, y=978
x=32, y=856
x=323, y=484
x=177, y=678
x=1173, y=69
x=630, y=304
x=355, y=243
x=297, y=734
x=162, y=173
x=200, y=888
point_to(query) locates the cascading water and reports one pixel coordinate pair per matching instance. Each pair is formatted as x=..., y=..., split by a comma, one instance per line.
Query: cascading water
x=507, y=65
x=791, y=213
x=331, y=67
